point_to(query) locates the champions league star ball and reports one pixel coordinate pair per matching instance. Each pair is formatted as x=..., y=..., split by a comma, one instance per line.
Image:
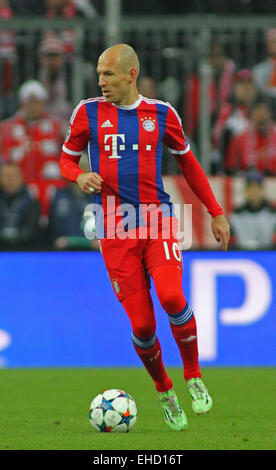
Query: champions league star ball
x=113, y=411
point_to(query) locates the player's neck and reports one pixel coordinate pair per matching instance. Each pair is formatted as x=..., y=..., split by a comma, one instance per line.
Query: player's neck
x=130, y=99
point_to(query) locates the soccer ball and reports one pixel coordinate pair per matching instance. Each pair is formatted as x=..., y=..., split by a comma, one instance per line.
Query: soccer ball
x=113, y=411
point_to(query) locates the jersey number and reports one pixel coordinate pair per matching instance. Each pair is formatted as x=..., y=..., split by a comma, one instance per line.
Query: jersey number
x=175, y=249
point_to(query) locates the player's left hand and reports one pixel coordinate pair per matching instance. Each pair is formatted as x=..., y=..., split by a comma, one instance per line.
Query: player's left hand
x=221, y=230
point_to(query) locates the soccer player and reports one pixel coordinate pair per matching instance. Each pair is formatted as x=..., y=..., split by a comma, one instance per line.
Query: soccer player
x=123, y=133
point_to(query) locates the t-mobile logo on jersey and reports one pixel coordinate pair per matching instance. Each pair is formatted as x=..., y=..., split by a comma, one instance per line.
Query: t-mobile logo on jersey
x=114, y=144
x=115, y=147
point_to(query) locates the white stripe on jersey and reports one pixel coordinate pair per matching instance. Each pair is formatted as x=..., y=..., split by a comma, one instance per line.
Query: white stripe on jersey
x=180, y=152
x=89, y=100
x=71, y=152
x=153, y=101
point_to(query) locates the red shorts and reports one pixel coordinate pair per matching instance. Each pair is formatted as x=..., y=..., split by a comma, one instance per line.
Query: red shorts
x=130, y=262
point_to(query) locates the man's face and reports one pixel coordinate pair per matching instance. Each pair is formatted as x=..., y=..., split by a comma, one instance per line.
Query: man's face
x=113, y=79
x=254, y=193
x=52, y=62
x=261, y=118
x=34, y=108
x=10, y=178
x=244, y=91
x=147, y=87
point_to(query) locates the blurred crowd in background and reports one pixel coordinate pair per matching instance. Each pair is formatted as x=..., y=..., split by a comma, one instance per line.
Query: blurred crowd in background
x=27, y=7
x=39, y=210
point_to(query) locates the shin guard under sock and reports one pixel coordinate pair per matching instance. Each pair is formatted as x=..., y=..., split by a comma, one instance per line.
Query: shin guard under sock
x=149, y=351
x=183, y=326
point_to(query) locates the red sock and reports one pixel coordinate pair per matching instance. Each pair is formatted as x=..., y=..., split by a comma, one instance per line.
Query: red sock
x=185, y=336
x=168, y=283
x=152, y=360
x=139, y=308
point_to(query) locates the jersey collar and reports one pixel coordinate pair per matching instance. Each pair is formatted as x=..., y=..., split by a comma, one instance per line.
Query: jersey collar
x=130, y=106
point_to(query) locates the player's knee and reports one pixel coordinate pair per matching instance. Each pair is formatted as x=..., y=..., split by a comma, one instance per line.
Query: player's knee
x=172, y=301
x=144, y=331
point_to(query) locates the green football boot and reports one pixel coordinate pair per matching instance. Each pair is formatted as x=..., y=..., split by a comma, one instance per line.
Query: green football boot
x=202, y=402
x=174, y=415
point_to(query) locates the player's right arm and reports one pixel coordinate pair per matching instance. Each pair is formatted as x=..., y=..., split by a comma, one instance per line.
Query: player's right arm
x=75, y=142
x=192, y=171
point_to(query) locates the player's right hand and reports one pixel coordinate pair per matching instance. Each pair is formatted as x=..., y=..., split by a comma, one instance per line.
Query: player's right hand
x=89, y=182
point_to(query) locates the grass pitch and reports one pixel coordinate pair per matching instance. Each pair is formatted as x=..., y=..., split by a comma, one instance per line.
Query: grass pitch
x=47, y=409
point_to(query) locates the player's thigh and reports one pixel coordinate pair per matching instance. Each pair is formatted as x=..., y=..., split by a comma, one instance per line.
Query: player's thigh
x=162, y=252
x=168, y=285
x=123, y=260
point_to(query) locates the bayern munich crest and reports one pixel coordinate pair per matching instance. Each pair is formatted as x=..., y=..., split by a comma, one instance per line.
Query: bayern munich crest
x=148, y=124
x=116, y=285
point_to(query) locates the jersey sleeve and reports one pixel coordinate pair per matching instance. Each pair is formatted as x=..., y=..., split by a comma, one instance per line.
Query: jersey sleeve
x=75, y=142
x=190, y=168
x=78, y=133
x=198, y=182
x=174, y=136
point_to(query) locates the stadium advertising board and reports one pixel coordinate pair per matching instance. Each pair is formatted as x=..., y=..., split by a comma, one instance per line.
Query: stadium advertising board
x=58, y=309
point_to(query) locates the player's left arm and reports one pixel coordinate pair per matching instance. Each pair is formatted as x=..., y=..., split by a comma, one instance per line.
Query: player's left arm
x=192, y=171
x=198, y=181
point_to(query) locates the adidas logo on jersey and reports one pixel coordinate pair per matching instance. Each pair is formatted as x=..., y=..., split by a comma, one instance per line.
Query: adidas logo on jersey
x=107, y=124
